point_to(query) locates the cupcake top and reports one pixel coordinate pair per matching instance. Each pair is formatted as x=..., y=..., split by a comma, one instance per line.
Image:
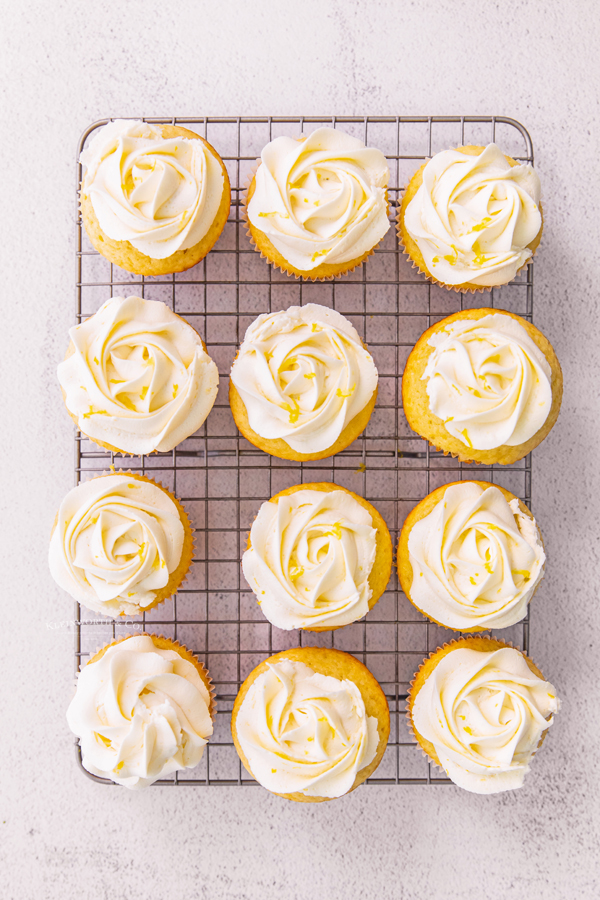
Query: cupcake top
x=116, y=541
x=303, y=375
x=476, y=559
x=305, y=732
x=140, y=713
x=310, y=558
x=320, y=199
x=138, y=378
x=473, y=217
x=484, y=713
x=161, y=195
x=488, y=381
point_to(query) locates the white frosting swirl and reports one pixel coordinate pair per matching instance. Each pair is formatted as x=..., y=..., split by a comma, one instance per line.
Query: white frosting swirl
x=116, y=541
x=476, y=559
x=488, y=381
x=160, y=194
x=310, y=558
x=301, y=731
x=140, y=713
x=321, y=199
x=139, y=379
x=473, y=217
x=484, y=713
x=303, y=375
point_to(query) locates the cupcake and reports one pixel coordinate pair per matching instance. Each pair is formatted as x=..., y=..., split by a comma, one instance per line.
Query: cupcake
x=144, y=708
x=480, y=709
x=137, y=378
x=317, y=206
x=319, y=557
x=120, y=544
x=471, y=218
x=310, y=724
x=484, y=385
x=303, y=385
x=154, y=198
x=471, y=557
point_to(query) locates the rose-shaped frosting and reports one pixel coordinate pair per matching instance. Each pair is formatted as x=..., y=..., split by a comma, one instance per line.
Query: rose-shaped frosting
x=303, y=375
x=139, y=379
x=321, y=199
x=310, y=558
x=140, y=713
x=473, y=217
x=484, y=713
x=116, y=541
x=476, y=559
x=306, y=732
x=161, y=195
x=488, y=381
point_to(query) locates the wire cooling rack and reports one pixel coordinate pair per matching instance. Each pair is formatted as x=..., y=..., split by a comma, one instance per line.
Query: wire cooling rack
x=222, y=479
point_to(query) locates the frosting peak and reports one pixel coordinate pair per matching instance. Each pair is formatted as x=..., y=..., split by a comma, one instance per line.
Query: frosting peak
x=160, y=194
x=305, y=732
x=488, y=381
x=484, y=713
x=310, y=558
x=476, y=559
x=140, y=712
x=303, y=375
x=320, y=199
x=473, y=217
x=139, y=378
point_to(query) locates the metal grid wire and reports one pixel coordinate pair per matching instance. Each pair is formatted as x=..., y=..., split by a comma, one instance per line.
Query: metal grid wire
x=222, y=479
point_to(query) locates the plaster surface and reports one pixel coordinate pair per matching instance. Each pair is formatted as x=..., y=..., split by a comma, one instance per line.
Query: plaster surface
x=66, y=64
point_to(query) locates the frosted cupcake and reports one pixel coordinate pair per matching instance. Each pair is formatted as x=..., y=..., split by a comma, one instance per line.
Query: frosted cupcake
x=303, y=385
x=144, y=708
x=319, y=557
x=484, y=385
x=154, y=198
x=471, y=557
x=317, y=206
x=471, y=218
x=120, y=544
x=480, y=709
x=310, y=724
x=136, y=377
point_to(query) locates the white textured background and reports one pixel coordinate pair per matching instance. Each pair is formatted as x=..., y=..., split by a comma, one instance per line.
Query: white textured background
x=69, y=63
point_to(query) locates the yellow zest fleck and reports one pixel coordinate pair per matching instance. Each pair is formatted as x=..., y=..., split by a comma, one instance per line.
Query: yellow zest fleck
x=145, y=354
x=295, y=572
x=163, y=564
x=266, y=215
x=316, y=202
x=485, y=221
x=144, y=392
x=310, y=739
x=449, y=419
x=318, y=253
x=362, y=467
x=293, y=411
x=106, y=741
x=345, y=394
x=175, y=389
x=526, y=575
x=435, y=260
x=96, y=360
x=473, y=391
x=466, y=437
x=119, y=766
x=127, y=403
x=467, y=729
x=552, y=696
x=95, y=412
x=472, y=580
x=272, y=770
x=306, y=199
x=310, y=375
x=133, y=485
x=141, y=550
x=116, y=381
x=315, y=327
x=131, y=593
x=112, y=467
x=336, y=531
